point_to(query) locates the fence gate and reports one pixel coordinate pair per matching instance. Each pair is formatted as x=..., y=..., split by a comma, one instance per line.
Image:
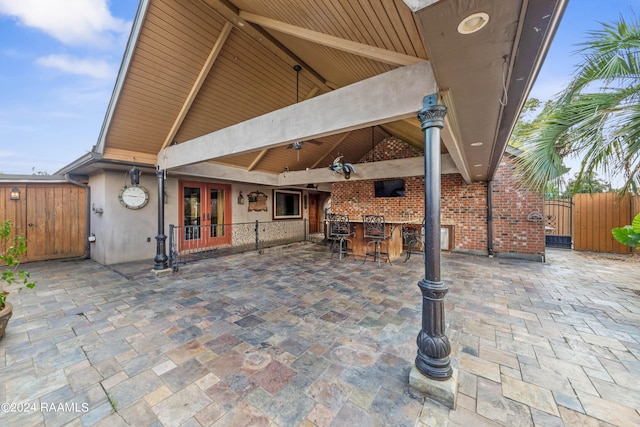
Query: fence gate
x=558, y=223
x=595, y=215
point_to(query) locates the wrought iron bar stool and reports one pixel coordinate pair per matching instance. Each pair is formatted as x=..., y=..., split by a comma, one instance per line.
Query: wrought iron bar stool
x=375, y=231
x=414, y=237
x=339, y=233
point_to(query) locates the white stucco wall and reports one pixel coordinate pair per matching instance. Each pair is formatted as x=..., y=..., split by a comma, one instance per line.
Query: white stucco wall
x=125, y=235
x=122, y=235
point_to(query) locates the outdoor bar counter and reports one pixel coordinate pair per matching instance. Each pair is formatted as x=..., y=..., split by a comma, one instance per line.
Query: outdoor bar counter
x=393, y=226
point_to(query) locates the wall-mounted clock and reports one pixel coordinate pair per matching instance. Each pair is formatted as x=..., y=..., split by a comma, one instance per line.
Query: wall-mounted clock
x=134, y=197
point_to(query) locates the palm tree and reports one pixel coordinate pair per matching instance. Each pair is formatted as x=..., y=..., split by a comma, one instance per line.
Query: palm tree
x=597, y=117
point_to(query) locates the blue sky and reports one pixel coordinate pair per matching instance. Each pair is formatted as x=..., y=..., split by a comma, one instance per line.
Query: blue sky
x=60, y=59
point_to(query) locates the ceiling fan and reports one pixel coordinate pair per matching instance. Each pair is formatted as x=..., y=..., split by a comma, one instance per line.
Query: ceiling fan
x=298, y=145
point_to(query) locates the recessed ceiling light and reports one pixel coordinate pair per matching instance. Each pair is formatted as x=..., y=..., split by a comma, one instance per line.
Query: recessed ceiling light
x=476, y=144
x=477, y=166
x=472, y=23
x=479, y=175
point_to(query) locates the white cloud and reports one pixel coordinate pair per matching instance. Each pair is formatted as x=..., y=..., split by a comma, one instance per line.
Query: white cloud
x=94, y=68
x=73, y=22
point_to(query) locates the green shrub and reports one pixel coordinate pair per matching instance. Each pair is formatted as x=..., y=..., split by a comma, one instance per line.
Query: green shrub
x=629, y=235
x=12, y=249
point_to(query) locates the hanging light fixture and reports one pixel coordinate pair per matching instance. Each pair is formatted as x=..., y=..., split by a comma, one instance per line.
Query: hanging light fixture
x=134, y=176
x=134, y=173
x=297, y=145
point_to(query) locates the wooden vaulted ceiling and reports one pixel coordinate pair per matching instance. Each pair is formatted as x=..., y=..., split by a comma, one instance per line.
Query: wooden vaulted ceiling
x=198, y=66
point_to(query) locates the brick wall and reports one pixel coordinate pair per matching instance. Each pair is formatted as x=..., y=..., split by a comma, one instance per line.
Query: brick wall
x=512, y=231
x=463, y=205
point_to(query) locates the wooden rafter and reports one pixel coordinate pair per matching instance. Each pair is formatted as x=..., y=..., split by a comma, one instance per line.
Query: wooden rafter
x=360, y=49
x=257, y=159
x=333, y=147
x=232, y=14
x=213, y=55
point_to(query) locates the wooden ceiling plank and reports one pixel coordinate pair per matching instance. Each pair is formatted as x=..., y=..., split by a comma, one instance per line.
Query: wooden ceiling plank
x=333, y=147
x=228, y=11
x=367, y=51
x=129, y=156
x=213, y=55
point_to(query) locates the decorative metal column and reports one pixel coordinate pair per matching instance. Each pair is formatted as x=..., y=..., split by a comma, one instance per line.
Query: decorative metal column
x=433, y=344
x=161, y=250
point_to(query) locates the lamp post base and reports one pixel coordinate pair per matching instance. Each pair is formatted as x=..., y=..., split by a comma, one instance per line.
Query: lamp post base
x=442, y=391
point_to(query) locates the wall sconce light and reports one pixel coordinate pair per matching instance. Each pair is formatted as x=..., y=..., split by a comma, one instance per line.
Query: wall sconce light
x=14, y=194
x=305, y=201
x=241, y=199
x=98, y=211
x=134, y=173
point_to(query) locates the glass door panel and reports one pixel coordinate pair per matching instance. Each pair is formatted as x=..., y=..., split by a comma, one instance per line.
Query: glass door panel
x=192, y=220
x=206, y=209
x=216, y=197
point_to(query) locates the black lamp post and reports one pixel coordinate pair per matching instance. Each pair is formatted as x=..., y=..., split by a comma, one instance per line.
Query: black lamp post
x=161, y=258
x=433, y=344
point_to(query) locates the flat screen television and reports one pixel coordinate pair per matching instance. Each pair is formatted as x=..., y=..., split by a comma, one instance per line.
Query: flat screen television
x=389, y=188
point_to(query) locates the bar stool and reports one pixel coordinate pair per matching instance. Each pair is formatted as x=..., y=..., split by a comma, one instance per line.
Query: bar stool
x=414, y=237
x=375, y=232
x=339, y=233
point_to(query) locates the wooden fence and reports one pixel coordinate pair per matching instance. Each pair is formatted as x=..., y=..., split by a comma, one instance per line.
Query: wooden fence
x=52, y=217
x=594, y=215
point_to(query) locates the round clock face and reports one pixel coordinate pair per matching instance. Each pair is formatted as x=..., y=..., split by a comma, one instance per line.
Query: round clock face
x=134, y=197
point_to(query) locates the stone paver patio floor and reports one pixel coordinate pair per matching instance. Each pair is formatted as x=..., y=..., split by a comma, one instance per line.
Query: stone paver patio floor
x=294, y=337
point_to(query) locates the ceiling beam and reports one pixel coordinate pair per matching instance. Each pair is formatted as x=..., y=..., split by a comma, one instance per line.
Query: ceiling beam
x=450, y=135
x=230, y=173
x=360, y=49
x=418, y=5
x=454, y=148
x=407, y=130
x=413, y=166
x=232, y=14
x=129, y=156
x=262, y=153
x=204, y=72
x=384, y=169
x=394, y=95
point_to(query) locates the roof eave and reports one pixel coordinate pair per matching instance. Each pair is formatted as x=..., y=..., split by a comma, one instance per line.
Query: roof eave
x=122, y=73
x=532, y=49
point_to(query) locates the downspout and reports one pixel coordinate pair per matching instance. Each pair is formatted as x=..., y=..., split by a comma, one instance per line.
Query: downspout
x=489, y=219
x=87, y=248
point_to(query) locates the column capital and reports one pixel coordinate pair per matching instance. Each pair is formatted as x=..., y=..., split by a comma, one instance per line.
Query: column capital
x=432, y=114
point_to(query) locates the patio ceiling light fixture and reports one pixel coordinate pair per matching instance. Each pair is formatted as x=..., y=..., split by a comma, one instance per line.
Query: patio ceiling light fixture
x=14, y=194
x=297, y=145
x=472, y=23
